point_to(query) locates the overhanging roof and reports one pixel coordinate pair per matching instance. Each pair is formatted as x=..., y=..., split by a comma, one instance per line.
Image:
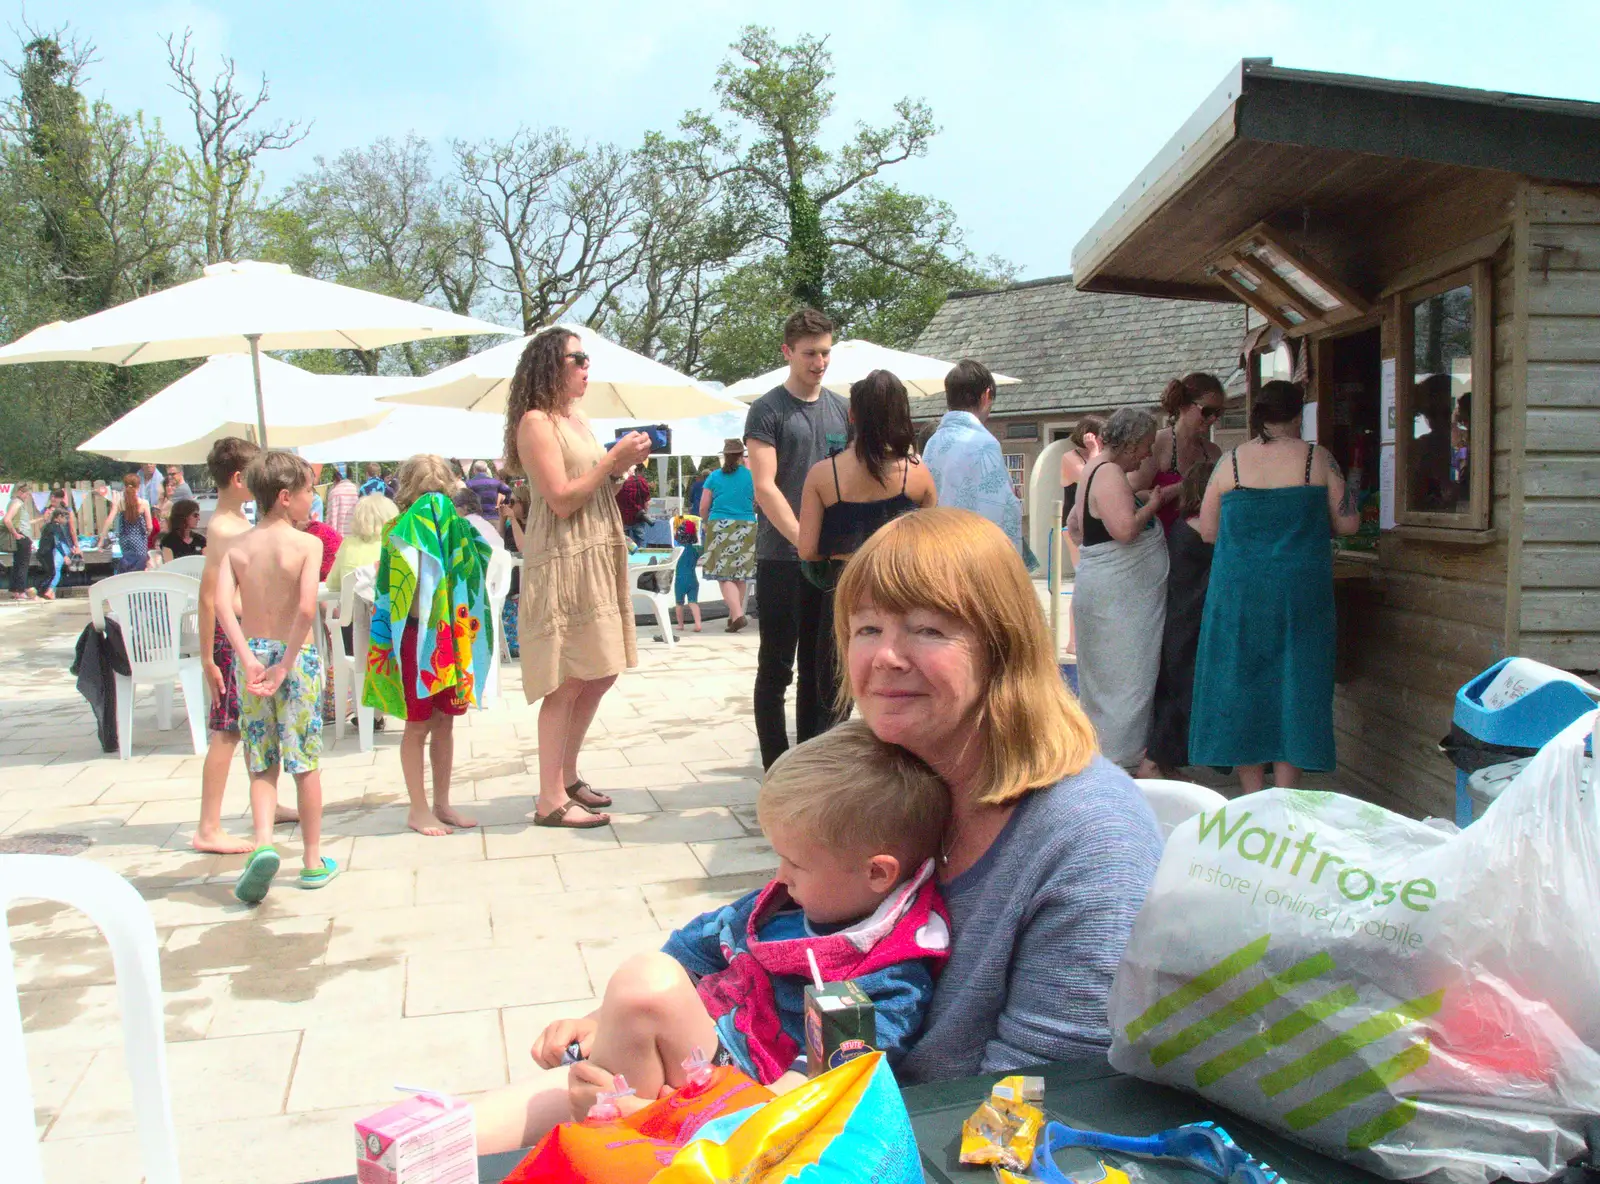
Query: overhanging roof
x=1337, y=146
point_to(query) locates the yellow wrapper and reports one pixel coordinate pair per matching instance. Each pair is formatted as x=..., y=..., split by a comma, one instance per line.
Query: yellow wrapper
x=1003, y=1130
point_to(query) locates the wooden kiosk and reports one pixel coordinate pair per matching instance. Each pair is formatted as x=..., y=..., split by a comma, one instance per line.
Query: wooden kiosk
x=1427, y=260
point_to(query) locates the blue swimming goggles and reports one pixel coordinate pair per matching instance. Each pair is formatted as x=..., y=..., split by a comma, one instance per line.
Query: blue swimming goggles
x=1201, y=1146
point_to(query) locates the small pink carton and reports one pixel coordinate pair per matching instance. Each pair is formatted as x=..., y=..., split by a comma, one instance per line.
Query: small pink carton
x=426, y=1139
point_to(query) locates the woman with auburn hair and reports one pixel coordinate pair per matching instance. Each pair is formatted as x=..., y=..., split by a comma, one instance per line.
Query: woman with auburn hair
x=575, y=615
x=132, y=525
x=1050, y=847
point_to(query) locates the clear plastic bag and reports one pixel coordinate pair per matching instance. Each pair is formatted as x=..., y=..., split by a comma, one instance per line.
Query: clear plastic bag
x=1414, y=1001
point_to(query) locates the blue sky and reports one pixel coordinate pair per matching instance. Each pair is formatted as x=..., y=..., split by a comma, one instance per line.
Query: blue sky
x=1048, y=108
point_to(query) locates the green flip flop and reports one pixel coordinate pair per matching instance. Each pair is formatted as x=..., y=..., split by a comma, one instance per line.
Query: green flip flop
x=317, y=877
x=252, y=884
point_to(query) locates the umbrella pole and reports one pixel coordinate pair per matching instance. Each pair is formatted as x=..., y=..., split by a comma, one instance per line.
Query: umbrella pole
x=261, y=408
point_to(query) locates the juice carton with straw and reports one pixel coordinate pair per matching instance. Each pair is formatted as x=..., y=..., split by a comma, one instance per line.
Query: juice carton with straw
x=427, y=1139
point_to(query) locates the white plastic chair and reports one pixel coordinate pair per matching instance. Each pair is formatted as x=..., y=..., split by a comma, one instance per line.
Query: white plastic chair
x=188, y=565
x=497, y=585
x=150, y=606
x=1177, y=801
x=353, y=608
x=115, y=906
x=659, y=603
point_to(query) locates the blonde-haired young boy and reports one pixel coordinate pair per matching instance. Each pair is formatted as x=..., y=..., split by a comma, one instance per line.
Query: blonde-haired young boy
x=273, y=568
x=856, y=824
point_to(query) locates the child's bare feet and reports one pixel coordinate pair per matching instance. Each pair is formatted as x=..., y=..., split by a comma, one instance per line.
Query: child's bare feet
x=221, y=843
x=697, y=627
x=424, y=823
x=450, y=816
x=285, y=815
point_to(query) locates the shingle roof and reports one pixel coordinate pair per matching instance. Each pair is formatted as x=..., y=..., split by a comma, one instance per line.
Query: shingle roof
x=1080, y=351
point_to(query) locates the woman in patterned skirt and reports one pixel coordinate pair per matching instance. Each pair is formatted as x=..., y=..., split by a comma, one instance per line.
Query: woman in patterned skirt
x=728, y=508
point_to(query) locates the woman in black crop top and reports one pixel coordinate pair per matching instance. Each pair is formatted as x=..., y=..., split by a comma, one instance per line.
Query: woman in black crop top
x=850, y=495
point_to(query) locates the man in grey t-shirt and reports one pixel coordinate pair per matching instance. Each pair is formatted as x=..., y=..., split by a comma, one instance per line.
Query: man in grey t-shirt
x=789, y=429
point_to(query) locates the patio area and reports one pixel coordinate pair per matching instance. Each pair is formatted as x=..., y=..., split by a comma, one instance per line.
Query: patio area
x=430, y=962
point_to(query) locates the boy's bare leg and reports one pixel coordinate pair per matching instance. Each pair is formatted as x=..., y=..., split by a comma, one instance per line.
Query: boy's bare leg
x=209, y=835
x=420, y=819
x=263, y=805
x=522, y=1113
x=1251, y=777
x=650, y=1021
x=694, y=607
x=308, y=789
x=1285, y=775
x=442, y=755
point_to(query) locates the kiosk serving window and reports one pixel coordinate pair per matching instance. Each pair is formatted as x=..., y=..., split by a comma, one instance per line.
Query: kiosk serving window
x=1443, y=402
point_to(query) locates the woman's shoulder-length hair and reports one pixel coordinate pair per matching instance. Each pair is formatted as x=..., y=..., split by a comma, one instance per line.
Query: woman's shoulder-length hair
x=960, y=564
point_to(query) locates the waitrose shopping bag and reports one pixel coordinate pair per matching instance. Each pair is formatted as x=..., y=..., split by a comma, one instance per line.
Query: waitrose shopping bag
x=1410, y=1000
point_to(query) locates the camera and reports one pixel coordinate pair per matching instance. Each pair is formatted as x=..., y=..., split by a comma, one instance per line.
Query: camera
x=660, y=436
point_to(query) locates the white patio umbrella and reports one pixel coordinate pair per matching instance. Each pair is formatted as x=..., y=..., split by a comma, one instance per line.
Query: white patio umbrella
x=622, y=384
x=179, y=423
x=242, y=307
x=406, y=431
x=854, y=360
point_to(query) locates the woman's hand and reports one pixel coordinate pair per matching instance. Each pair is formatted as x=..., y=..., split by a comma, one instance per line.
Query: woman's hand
x=632, y=449
x=551, y=1045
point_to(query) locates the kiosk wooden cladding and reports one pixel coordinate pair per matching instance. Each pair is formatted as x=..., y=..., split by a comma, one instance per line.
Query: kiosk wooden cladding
x=1359, y=216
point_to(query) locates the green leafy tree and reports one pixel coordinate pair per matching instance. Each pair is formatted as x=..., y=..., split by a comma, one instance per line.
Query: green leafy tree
x=88, y=218
x=823, y=228
x=378, y=218
x=221, y=171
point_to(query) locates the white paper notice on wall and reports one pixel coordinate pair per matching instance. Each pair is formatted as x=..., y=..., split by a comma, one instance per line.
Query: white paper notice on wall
x=1386, y=402
x=1386, y=487
x=1308, y=423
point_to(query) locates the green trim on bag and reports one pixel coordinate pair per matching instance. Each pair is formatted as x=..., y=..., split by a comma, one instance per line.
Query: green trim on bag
x=1280, y=1033
x=1391, y=1120
x=1198, y=987
x=1342, y=1096
x=1246, y=1004
x=1373, y=1028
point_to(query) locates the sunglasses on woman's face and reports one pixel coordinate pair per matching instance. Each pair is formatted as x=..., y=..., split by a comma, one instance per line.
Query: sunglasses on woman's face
x=581, y=358
x=1210, y=413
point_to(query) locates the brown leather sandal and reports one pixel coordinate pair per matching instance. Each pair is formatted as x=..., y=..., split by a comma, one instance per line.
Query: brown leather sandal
x=587, y=796
x=557, y=818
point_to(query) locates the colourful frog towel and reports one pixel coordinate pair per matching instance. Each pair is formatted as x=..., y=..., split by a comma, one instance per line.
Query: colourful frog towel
x=432, y=557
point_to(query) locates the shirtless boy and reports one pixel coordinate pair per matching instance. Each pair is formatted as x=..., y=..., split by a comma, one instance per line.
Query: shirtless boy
x=271, y=571
x=226, y=463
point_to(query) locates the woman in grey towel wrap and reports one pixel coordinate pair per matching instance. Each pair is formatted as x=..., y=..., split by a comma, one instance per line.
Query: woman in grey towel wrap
x=1119, y=594
x=1050, y=847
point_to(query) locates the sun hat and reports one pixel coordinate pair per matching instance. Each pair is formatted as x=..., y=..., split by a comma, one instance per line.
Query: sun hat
x=733, y=446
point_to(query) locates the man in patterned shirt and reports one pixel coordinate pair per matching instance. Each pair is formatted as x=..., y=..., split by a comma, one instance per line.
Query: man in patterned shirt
x=964, y=457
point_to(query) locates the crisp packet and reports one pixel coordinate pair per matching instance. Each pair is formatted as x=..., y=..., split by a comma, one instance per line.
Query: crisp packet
x=1002, y=1131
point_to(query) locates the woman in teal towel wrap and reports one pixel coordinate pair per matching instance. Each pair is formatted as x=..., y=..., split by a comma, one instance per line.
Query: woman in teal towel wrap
x=1263, y=683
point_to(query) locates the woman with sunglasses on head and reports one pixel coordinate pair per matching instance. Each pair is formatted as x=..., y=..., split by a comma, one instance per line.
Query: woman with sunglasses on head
x=1192, y=405
x=575, y=617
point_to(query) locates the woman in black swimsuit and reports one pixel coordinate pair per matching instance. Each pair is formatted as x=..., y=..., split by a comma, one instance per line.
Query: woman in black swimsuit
x=847, y=497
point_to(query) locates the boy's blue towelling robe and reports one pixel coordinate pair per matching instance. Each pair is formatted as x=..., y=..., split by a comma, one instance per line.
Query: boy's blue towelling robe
x=749, y=963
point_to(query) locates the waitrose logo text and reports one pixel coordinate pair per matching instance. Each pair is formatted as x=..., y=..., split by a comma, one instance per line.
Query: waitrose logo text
x=1310, y=862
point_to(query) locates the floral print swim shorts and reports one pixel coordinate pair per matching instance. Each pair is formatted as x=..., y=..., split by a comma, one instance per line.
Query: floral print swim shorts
x=285, y=729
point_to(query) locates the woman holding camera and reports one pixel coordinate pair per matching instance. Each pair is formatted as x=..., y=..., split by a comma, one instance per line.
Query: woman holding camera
x=575, y=617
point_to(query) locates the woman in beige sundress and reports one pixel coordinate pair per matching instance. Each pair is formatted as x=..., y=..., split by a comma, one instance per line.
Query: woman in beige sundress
x=575, y=620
